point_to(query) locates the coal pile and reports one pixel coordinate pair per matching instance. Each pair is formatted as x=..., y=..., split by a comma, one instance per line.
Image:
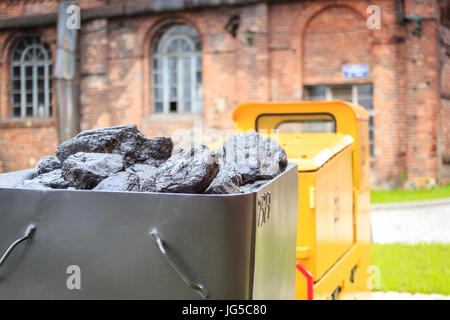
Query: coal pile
x=122, y=159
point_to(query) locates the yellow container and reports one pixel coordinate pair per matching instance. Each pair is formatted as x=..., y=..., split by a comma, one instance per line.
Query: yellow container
x=329, y=142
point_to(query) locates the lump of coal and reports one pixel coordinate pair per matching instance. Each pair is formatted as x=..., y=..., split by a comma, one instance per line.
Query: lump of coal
x=47, y=164
x=146, y=174
x=52, y=179
x=154, y=162
x=86, y=170
x=189, y=171
x=227, y=181
x=253, y=186
x=120, y=181
x=255, y=157
x=127, y=141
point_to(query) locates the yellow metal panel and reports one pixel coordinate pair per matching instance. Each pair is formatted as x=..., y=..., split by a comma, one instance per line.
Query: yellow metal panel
x=339, y=277
x=334, y=210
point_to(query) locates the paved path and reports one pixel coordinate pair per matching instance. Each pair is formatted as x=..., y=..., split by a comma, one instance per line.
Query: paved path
x=407, y=296
x=421, y=221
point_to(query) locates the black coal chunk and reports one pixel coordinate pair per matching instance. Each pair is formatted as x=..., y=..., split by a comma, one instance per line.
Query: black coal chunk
x=86, y=170
x=253, y=186
x=227, y=181
x=188, y=171
x=47, y=164
x=52, y=179
x=255, y=157
x=127, y=141
x=153, y=162
x=146, y=174
x=120, y=181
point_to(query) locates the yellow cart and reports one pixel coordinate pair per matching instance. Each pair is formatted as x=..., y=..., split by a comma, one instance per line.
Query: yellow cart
x=329, y=142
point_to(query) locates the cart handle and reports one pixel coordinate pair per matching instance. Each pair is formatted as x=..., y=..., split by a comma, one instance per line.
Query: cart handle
x=201, y=290
x=27, y=235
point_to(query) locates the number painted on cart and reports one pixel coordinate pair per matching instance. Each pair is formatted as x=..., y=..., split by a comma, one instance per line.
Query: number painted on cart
x=263, y=208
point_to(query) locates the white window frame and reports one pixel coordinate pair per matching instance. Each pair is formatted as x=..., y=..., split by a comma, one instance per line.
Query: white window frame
x=195, y=98
x=36, y=47
x=355, y=99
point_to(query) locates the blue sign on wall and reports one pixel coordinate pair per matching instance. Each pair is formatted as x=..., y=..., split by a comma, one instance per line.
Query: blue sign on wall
x=352, y=71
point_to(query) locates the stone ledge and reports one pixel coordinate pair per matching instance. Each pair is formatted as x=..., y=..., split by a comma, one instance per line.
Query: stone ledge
x=27, y=123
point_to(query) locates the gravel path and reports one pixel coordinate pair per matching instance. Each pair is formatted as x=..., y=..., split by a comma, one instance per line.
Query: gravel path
x=411, y=222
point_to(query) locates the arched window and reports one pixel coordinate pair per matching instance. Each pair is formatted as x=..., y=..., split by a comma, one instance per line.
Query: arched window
x=31, y=78
x=177, y=70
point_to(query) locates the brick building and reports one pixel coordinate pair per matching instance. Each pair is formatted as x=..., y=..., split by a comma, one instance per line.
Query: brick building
x=165, y=64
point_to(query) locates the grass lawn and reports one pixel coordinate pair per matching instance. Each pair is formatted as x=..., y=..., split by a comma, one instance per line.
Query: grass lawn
x=410, y=195
x=416, y=268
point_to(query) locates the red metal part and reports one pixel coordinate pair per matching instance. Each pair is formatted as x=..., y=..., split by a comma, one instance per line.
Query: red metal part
x=309, y=280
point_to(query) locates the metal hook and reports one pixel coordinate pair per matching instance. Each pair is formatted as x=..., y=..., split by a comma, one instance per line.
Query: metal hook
x=199, y=288
x=27, y=235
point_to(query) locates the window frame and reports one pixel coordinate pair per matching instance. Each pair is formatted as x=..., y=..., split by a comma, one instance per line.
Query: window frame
x=163, y=56
x=37, y=48
x=356, y=97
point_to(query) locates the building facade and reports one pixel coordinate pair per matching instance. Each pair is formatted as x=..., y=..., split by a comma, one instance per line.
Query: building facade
x=166, y=65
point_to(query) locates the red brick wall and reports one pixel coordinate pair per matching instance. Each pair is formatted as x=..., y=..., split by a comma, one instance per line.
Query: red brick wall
x=279, y=48
x=444, y=36
x=23, y=146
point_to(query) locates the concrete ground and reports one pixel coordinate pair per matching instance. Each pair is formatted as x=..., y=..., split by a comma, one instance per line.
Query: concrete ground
x=412, y=222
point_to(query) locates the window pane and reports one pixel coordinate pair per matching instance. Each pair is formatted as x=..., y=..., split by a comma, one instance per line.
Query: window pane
x=172, y=48
x=16, y=98
x=187, y=77
x=29, y=98
x=29, y=112
x=40, y=71
x=364, y=89
x=316, y=93
x=157, y=64
x=157, y=78
x=172, y=64
x=187, y=92
x=29, y=72
x=366, y=103
x=158, y=93
x=16, y=71
x=298, y=123
x=16, y=112
x=187, y=106
x=342, y=93
x=16, y=85
x=199, y=76
x=173, y=93
x=158, y=107
x=184, y=46
x=41, y=84
x=173, y=79
x=29, y=84
x=41, y=99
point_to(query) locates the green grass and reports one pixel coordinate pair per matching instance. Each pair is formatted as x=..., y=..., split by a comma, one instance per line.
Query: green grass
x=423, y=268
x=410, y=195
